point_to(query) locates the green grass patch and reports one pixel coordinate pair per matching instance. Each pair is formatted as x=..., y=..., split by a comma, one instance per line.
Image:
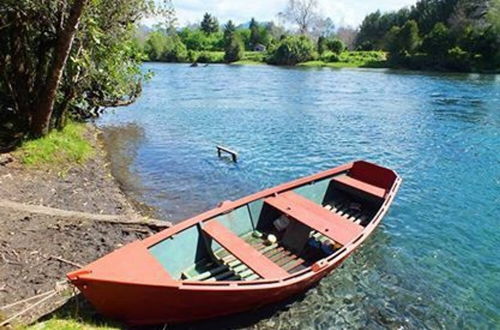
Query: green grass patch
x=355, y=59
x=247, y=62
x=56, y=324
x=67, y=146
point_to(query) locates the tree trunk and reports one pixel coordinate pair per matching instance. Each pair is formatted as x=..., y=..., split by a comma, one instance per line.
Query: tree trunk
x=42, y=110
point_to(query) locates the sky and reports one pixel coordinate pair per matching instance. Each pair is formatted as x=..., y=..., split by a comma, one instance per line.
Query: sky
x=342, y=12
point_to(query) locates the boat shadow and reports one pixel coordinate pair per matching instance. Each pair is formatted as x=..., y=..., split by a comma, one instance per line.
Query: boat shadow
x=79, y=309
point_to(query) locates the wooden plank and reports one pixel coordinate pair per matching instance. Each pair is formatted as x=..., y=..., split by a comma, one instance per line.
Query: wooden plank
x=360, y=185
x=234, y=154
x=243, y=251
x=316, y=217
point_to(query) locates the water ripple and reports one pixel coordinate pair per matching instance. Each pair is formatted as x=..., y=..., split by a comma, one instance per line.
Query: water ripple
x=434, y=261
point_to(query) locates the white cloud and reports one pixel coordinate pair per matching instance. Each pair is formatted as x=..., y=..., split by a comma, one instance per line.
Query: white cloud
x=343, y=12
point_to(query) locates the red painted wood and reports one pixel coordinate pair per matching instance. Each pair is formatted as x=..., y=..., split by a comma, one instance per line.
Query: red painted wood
x=243, y=251
x=313, y=215
x=360, y=185
x=131, y=286
x=373, y=174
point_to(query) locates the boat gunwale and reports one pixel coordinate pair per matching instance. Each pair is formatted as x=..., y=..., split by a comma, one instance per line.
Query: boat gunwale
x=329, y=261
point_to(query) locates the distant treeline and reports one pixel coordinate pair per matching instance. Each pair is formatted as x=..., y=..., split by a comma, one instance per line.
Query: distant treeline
x=208, y=42
x=459, y=35
x=454, y=35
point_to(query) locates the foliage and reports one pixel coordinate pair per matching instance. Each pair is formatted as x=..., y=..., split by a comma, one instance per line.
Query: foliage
x=459, y=35
x=95, y=66
x=67, y=146
x=375, y=26
x=355, y=59
x=209, y=24
x=254, y=32
x=197, y=39
x=458, y=59
x=335, y=45
x=210, y=57
x=229, y=31
x=321, y=45
x=332, y=44
x=234, y=49
x=292, y=50
x=438, y=41
x=166, y=48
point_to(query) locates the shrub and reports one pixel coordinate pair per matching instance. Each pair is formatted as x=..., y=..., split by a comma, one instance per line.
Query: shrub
x=458, y=59
x=330, y=57
x=336, y=45
x=292, y=50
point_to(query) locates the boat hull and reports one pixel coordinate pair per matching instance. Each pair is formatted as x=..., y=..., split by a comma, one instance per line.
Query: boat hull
x=132, y=286
x=142, y=305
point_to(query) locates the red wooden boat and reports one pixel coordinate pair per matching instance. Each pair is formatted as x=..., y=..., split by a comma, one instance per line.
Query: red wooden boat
x=243, y=254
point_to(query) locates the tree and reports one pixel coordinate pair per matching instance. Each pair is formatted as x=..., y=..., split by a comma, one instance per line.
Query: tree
x=229, y=30
x=402, y=42
x=347, y=35
x=292, y=50
x=40, y=120
x=209, y=24
x=322, y=44
x=408, y=37
x=254, y=33
x=303, y=13
x=234, y=49
x=438, y=41
x=66, y=57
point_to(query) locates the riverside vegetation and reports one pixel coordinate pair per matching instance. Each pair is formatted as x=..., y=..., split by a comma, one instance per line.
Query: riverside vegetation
x=73, y=58
x=451, y=35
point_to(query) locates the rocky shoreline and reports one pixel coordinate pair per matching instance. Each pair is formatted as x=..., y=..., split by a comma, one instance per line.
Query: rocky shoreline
x=38, y=246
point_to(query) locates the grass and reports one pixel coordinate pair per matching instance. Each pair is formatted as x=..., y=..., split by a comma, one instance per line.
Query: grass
x=67, y=146
x=56, y=324
x=349, y=59
x=247, y=62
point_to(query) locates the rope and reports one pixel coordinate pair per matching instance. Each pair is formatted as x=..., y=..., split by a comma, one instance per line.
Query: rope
x=26, y=300
x=29, y=308
x=46, y=296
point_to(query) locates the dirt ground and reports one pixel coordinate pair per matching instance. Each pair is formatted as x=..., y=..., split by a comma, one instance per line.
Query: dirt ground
x=37, y=250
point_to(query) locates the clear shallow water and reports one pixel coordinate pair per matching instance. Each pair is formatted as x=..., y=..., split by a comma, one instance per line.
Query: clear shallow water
x=434, y=262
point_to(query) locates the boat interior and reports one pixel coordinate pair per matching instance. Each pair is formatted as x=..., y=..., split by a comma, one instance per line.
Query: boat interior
x=275, y=236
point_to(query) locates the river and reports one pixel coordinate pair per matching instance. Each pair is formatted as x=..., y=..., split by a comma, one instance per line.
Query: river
x=434, y=261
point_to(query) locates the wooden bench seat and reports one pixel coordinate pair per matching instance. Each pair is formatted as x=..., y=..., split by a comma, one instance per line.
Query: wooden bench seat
x=316, y=217
x=248, y=255
x=360, y=185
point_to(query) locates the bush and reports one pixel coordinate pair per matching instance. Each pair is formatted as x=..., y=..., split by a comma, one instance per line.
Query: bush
x=330, y=57
x=234, y=50
x=336, y=45
x=458, y=59
x=292, y=50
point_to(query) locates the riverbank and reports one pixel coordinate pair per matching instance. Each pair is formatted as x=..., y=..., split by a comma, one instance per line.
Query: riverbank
x=53, y=218
x=346, y=59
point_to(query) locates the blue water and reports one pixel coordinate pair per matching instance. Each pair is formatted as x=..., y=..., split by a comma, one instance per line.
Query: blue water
x=433, y=263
